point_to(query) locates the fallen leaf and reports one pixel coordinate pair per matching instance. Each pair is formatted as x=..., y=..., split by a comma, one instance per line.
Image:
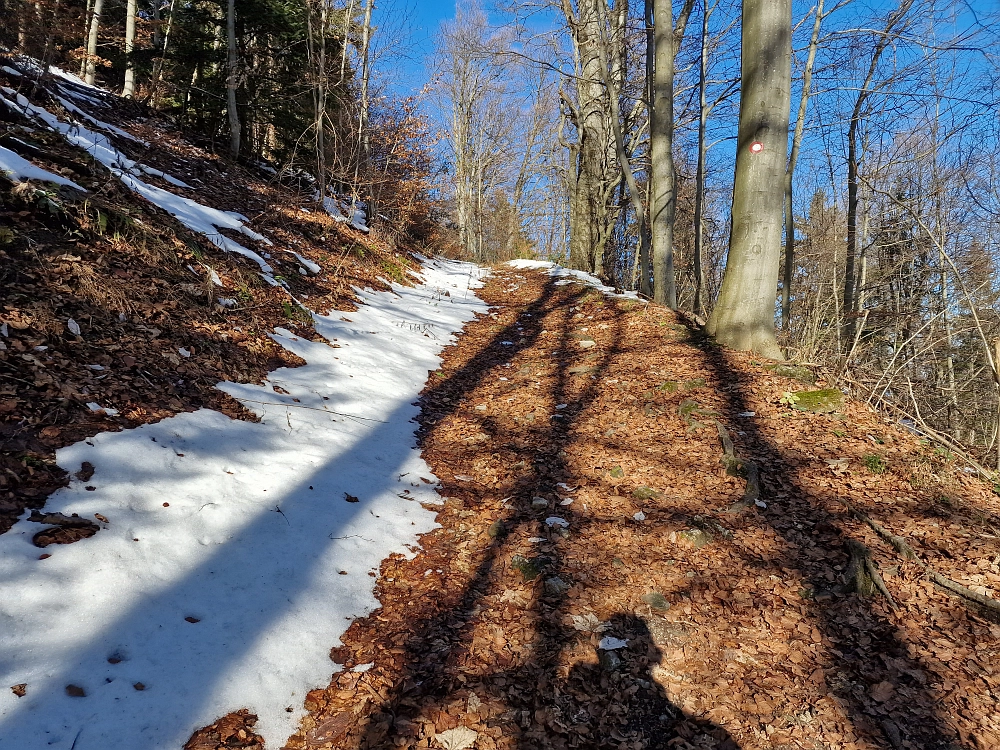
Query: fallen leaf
x=458, y=738
x=883, y=691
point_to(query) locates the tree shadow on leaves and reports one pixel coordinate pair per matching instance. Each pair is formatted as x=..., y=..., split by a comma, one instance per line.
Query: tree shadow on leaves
x=867, y=648
x=616, y=699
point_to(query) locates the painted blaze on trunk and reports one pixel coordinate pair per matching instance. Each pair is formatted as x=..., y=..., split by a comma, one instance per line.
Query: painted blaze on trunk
x=743, y=317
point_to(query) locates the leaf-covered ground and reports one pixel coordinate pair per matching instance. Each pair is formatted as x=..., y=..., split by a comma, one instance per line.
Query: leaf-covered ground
x=140, y=288
x=587, y=503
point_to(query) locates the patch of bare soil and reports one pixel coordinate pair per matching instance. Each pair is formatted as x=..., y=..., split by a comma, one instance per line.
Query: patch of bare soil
x=590, y=586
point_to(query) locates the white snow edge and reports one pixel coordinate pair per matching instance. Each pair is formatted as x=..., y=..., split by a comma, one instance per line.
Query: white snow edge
x=240, y=526
x=569, y=275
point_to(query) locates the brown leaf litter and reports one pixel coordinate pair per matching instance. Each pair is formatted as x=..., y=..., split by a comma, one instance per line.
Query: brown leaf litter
x=719, y=629
x=107, y=300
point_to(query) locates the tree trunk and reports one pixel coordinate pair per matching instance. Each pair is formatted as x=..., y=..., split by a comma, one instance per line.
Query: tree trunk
x=699, y=189
x=644, y=259
x=348, y=19
x=661, y=136
x=231, y=63
x=50, y=36
x=95, y=27
x=128, y=91
x=318, y=61
x=623, y=160
x=884, y=40
x=161, y=58
x=363, y=134
x=786, y=280
x=589, y=209
x=86, y=31
x=743, y=317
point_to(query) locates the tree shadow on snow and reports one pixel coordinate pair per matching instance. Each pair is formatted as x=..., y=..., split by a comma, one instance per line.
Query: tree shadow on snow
x=185, y=640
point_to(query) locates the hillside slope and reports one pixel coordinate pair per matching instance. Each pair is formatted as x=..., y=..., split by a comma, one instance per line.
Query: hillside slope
x=113, y=312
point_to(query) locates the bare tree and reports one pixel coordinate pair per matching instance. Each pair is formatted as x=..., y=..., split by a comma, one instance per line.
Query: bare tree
x=232, y=61
x=743, y=317
x=128, y=91
x=800, y=121
x=667, y=42
x=883, y=40
x=92, y=36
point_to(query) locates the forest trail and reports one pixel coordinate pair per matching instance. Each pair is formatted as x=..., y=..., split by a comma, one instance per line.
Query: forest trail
x=587, y=587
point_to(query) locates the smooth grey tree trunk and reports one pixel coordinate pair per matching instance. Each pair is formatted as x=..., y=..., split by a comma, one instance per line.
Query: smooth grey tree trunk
x=661, y=137
x=95, y=27
x=743, y=317
x=363, y=134
x=786, y=278
x=699, y=188
x=128, y=90
x=231, y=63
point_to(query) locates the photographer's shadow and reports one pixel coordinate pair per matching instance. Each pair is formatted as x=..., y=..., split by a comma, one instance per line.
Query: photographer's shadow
x=617, y=701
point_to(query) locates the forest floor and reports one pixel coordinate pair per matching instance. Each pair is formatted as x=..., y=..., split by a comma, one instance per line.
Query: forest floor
x=587, y=506
x=589, y=585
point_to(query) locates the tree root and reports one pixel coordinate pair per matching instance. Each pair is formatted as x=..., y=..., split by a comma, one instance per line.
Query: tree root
x=978, y=603
x=739, y=467
x=863, y=574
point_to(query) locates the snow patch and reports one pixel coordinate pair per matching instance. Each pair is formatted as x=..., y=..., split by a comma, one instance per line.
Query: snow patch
x=18, y=168
x=215, y=582
x=195, y=216
x=569, y=275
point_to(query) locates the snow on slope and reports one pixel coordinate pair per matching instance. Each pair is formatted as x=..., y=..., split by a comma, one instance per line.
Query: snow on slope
x=244, y=528
x=18, y=168
x=569, y=275
x=193, y=215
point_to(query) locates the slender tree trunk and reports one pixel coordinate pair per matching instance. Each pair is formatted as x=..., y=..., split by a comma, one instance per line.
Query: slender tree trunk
x=786, y=281
x=22, y=27
x=852, y=226
x=128, y=90
x=86, y=32
x=161, y=58
x=95, y=27
x=50, y=36
x=363, y=134
x=743, y=317
x=661, y=136
x=645, y=261
x=231, y=64
x=699, y=189
x=623, y=160
x=348, y=20
x=318, y=59
x=883, y=41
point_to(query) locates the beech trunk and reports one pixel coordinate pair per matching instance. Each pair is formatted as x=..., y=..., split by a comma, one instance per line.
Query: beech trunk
x=743, y=317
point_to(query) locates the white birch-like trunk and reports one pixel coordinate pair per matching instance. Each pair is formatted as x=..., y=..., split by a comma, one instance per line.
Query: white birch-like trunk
x=95, y=28
x=231, y=64
x=128, y=90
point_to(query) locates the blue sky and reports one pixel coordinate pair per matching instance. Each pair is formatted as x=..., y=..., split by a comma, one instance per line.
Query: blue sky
x=417, y=22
